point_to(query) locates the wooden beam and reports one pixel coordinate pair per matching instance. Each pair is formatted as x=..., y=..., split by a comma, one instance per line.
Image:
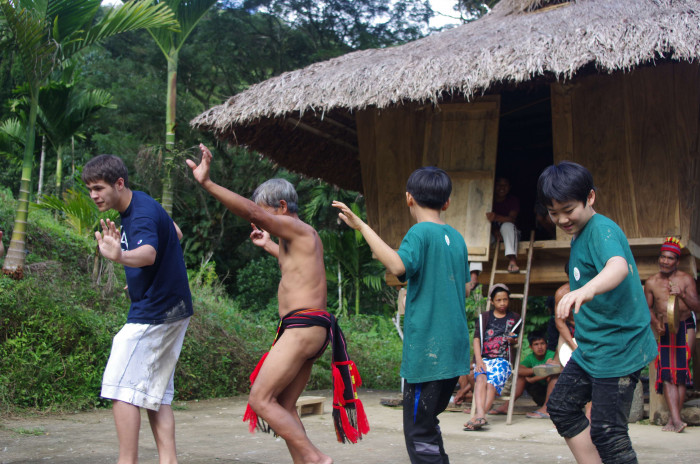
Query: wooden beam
x=313, y=130
x=335, y=123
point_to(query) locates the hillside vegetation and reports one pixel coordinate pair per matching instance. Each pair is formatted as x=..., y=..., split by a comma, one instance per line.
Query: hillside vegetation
x=57, y=324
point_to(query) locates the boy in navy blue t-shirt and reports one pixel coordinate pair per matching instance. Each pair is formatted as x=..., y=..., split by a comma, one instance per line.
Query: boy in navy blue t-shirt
x=139, y=373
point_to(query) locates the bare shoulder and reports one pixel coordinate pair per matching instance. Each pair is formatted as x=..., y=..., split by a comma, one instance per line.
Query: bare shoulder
x=685, y=278
x=653, y=281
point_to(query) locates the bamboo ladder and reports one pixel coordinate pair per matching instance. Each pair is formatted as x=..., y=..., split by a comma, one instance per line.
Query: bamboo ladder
x=523, y=313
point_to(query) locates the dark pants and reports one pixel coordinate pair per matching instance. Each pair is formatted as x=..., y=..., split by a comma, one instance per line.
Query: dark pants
x=422, y=402
x=612, y=399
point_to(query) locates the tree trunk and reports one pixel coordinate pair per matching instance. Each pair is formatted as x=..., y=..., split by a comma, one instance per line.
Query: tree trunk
x=41, y=169
x=59, y=169
x=16, y=256
x=170, y=112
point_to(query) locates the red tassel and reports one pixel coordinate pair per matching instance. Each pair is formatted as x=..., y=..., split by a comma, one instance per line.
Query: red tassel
x=349, y=430
x=362, y=422
x=355, y=374
x=251, y=416
x=338, y=387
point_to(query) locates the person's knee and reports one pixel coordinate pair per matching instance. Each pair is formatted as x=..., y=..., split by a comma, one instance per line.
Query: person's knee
x=568, y=421
x=613, y=444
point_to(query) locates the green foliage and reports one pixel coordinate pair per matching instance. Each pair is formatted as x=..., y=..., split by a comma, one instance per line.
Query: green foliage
x=374, y=346
x=77, y=209
x=257, y=284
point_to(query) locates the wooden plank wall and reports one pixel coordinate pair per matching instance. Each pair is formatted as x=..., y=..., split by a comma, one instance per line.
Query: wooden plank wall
x=638, y=135
x=391, y=146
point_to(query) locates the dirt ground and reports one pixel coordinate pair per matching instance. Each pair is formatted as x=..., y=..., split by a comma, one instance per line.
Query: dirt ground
x=212, y=431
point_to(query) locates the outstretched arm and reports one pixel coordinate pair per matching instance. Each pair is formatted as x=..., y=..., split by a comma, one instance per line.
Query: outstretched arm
x=278, y=225
x=109, y=243
x=384, y=253
x=614, y=272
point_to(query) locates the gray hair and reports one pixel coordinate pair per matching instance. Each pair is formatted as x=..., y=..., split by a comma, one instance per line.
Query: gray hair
x=270, y=192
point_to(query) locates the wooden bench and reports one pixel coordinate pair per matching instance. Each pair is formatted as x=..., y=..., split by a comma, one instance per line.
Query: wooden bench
x=310, y=405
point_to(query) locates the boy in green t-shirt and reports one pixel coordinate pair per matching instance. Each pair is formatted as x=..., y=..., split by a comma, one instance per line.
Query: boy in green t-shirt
x=612, y=322
x=538, y=387
x=433, y=260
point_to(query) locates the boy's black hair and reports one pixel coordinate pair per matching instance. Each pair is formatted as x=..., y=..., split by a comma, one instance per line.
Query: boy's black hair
x=108, y=168
x=563, y=182
x=430, y=186
x=534, y=336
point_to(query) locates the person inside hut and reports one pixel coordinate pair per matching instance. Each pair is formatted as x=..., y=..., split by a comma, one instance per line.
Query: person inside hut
x=539, y=387
x=675, y=349
x=433, y=259
x=305, y=328
x=496, y=332
x=502, y=217
x=545, y=229
x=613, y=331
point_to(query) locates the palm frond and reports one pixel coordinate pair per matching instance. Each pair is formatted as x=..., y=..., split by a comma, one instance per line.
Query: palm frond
x=129, y=17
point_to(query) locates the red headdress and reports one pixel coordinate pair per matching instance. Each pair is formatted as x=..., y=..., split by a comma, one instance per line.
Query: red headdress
x=672, y=244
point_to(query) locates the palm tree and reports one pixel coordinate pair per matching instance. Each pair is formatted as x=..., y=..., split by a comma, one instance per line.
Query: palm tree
x=63, y=110
x=47, y=34
x=189, y=13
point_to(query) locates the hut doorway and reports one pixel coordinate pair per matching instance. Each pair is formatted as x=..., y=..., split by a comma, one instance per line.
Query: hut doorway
x=525, y=147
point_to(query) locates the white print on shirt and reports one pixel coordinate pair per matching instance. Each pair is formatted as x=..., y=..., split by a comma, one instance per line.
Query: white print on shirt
x=577, y=274
x=447, y=239
x=125, y=242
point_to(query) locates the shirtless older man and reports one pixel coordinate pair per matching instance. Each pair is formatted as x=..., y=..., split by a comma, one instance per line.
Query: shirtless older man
x=306, y=327
x=673, y=373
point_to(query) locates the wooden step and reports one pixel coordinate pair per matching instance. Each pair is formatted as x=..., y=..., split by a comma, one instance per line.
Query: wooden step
x=310, y=405
x=508, y=272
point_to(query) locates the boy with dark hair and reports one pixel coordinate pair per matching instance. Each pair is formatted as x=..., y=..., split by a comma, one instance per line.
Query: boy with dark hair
x=493, y=337
x=141, y=366
x=612, y=322
x=305, y=329
x=539, y=387
x=433, y=260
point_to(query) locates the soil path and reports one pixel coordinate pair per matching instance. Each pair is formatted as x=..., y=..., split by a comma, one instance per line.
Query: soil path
x=212, y=431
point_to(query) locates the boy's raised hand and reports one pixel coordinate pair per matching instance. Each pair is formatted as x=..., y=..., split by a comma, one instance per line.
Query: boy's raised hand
x=201, y=172
x=109, y=241
x=347, y=215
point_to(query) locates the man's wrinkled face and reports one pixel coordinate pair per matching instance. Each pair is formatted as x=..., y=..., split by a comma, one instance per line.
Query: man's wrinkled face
x=668, y=262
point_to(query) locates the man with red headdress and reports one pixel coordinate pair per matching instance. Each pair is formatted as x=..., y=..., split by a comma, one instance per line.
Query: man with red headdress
x=672, y=364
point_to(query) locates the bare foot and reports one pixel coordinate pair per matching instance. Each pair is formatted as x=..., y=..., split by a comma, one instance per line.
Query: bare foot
x=668, y=427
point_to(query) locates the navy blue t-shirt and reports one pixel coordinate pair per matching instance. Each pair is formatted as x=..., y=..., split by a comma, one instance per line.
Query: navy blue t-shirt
x=159, y=292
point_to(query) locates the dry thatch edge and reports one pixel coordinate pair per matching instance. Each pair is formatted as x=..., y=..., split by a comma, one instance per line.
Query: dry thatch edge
x=502, y=47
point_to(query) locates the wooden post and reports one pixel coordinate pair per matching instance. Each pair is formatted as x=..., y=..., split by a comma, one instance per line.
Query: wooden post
x=657, y=403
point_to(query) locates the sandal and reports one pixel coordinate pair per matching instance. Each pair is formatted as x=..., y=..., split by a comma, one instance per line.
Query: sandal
x=475, y=424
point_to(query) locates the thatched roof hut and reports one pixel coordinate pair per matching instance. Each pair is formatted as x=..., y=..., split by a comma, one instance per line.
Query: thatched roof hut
x=613, y=84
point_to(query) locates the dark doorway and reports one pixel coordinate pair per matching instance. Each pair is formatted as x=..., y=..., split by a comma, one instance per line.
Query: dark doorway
x=525, y=147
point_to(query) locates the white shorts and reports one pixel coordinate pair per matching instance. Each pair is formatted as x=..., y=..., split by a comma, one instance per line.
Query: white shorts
x=142, y=364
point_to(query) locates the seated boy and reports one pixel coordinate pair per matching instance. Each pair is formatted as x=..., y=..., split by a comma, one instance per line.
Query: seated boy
x=492, y=340
x=613, y=331
x=433, y=259
x=538, y=387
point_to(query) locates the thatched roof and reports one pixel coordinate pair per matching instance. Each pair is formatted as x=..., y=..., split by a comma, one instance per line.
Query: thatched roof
x=303, y=119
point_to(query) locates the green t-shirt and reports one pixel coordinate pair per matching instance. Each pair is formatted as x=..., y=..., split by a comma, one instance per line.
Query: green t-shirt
x=613, y=330
x=532, y=361
x=436, y=337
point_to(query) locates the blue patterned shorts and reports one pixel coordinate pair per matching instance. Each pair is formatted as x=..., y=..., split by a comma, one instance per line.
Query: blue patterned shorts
x=497, y=372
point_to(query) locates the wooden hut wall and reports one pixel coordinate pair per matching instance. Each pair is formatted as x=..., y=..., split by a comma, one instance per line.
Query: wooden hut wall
x=391, y=146
x=459, y=138
x=637, y=133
